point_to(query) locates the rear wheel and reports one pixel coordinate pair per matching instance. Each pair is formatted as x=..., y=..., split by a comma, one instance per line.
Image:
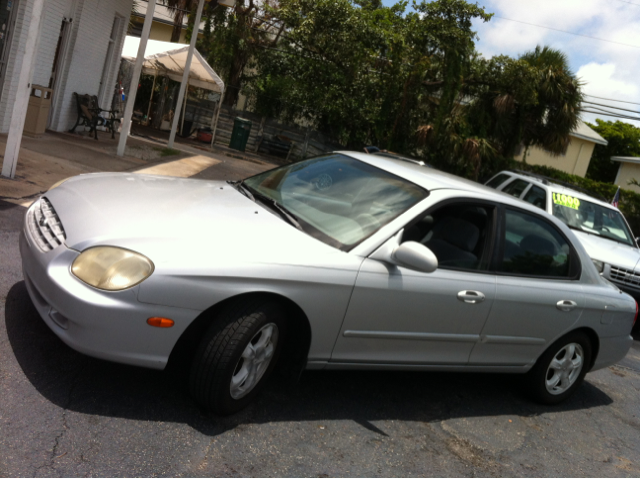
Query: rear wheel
x=561, y=369
x=236, y=355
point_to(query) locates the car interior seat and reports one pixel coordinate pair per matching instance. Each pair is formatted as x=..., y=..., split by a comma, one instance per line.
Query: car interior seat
x=454, y=242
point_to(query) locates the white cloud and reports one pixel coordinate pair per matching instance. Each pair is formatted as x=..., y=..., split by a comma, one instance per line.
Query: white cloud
x=608, y=69
x=601, y=80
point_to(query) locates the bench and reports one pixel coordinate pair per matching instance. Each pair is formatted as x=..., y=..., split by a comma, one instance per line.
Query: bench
x=277, y=145
x=89, y=115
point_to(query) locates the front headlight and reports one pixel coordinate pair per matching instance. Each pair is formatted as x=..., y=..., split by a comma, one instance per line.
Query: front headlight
x=599, y=265
x=111, y=268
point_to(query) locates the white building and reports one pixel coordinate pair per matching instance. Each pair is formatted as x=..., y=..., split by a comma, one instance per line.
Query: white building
x=78, y=50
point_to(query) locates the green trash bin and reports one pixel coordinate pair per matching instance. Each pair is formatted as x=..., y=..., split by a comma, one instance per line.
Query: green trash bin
x=240, y=134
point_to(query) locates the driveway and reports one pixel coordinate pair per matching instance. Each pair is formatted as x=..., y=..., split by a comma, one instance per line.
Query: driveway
x=65, y=414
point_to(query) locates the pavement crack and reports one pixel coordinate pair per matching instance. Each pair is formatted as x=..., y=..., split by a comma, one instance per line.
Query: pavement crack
x=57, y=441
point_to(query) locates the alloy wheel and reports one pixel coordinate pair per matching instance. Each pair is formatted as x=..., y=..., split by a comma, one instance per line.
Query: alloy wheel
x=254, y=361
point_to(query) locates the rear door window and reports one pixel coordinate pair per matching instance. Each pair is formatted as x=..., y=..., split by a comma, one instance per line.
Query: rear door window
x=537, y=197
x=534, y=247
x=498, y=180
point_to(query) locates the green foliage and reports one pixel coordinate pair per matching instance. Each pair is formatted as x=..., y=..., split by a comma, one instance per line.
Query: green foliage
x=408, y=80
x=234, y=37
x=623, y=140
x=364, y=73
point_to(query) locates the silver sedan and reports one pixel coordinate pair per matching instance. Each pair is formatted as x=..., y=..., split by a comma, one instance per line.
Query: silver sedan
x=345, y=261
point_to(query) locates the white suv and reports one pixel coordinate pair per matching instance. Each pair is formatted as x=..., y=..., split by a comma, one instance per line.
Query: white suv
x=599, y=226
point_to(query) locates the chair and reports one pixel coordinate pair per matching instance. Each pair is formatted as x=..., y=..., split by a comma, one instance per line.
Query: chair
x=89, y=115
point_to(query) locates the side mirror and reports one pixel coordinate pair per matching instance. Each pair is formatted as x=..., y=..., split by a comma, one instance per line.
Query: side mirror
x=638, y=240
x=416, y=256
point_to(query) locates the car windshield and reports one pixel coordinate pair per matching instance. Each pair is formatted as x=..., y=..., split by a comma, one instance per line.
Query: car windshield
x=335, y=198
x=592, y=218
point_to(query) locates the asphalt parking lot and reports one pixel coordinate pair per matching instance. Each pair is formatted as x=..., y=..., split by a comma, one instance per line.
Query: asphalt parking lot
x=65, y=414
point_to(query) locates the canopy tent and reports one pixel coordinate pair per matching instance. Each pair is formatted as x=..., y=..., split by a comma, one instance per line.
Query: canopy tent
x=169, y=59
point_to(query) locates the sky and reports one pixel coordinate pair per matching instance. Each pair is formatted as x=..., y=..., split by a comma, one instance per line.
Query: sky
x=608, y=69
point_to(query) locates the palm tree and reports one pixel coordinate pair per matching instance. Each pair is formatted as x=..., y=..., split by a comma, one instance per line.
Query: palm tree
x=549, y=122
x=178, y=9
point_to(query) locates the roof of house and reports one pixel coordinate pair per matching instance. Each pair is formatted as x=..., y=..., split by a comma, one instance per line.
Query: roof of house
x=161, y=14
x=583, y=132
x=626, y=159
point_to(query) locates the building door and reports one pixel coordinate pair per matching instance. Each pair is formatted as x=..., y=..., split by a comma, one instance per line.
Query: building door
x=58, y=62
x=107, y=88
x=8, y=11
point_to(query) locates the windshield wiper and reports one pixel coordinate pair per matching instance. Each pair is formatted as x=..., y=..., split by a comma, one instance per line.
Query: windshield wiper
x=284, y=213
x=597, y=234
x=242, y=188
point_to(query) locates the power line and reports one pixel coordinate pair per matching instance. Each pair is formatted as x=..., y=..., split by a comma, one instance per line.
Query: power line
x=570, y=33
x=611, y=99
x=624, y=117
x=630, y=3
x=611, y=106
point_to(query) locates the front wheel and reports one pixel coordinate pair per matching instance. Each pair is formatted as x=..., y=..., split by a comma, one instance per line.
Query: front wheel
x=561, y=369
x=236, y=356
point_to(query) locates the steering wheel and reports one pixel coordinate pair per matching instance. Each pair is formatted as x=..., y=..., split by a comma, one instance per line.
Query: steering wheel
x=323, y=182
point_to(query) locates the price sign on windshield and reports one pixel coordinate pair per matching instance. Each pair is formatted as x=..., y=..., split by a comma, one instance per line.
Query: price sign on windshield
x=566, y=200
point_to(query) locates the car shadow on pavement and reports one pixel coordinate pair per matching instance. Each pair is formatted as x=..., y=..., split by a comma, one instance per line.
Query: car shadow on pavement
x=91, y=386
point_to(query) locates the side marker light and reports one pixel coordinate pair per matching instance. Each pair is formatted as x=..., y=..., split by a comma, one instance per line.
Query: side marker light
x=160, y=322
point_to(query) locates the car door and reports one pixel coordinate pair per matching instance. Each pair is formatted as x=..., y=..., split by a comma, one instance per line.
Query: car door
x=538, y=294
x=400, y=316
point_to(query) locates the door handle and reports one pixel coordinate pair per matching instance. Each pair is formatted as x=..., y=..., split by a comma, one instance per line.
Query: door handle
x=566, y=305
x=471, y=297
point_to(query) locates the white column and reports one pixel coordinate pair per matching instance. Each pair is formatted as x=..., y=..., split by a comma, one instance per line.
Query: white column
x=21, y=102
x=135, y=79
x=185, y=74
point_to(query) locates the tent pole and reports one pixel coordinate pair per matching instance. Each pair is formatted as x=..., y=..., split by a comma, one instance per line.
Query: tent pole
x=135, y=78
x=187, y=68
x=184, y=109
x=151, y=98
x=215, y=126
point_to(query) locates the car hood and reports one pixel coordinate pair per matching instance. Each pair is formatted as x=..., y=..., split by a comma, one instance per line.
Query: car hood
x=175, y=220
x=609, y=251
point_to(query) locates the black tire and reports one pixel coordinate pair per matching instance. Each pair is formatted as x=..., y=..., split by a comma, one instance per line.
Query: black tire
x=218, y=355
x=538, y=375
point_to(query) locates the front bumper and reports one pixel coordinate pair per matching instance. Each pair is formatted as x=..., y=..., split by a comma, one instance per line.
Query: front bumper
x=630, y=283
x=106, y=325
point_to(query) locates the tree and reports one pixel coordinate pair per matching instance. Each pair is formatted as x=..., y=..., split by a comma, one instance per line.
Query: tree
x=623, y=140
x=178, y=9
x=233, y=37
x=365, y=73
x=556, y=114
x=505, y=103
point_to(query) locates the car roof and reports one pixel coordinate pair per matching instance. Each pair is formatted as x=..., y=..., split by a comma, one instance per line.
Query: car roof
x=557, y=188
x=428, y=178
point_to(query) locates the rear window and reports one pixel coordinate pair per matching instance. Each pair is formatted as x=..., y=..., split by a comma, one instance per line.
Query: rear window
x=497, y=180
x=515, y=188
